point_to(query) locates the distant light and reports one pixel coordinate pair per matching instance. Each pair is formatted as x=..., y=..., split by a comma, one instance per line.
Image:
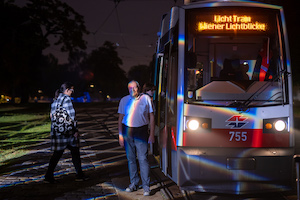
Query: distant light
x=92, y=85
x=40, y=91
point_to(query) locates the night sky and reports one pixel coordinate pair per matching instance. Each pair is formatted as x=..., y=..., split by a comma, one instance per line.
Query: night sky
x=133, y=26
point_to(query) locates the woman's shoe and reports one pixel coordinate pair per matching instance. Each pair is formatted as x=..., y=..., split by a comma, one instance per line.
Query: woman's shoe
x=81, y=178
x=50, y=180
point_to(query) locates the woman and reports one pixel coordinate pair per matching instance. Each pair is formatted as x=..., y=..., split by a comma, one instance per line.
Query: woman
x=59, y=142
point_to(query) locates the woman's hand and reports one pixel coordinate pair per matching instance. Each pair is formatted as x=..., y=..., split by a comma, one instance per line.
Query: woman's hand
x=76, y=134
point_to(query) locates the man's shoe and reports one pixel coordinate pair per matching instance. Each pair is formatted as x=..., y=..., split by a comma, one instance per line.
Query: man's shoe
x=131, y=188
x=81, y=178
x=146, y=191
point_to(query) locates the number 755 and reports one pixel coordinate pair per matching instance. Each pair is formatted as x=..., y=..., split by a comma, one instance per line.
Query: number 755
x=238, y=136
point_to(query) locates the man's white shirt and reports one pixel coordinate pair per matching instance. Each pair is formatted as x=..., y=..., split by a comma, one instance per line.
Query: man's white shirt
x=135, y=110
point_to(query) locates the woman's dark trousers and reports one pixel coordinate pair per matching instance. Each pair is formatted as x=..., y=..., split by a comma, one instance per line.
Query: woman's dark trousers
x=57, y=155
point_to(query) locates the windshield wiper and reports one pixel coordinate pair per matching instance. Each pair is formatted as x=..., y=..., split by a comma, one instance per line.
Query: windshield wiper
x=243, y=106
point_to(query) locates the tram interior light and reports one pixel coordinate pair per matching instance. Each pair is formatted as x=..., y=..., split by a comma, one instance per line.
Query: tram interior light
x=190, y=94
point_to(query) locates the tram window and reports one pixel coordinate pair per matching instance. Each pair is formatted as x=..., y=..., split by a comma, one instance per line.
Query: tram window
x=238, y=61
x=227, y=69
x=227, y=66
x=226, y=59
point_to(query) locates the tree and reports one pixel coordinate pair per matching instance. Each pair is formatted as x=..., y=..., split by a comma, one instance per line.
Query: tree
x=105, y=63
x=20, y=46
x=59, y=20
x=48, y=70
x=140, y=73
x=25, y=33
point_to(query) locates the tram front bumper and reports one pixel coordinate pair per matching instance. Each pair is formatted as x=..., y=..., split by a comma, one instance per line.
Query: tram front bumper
x=235, y=170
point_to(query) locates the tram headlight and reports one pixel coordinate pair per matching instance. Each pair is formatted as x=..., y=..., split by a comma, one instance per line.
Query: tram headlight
x=193, y=124
x=279, y=125
x=274, y=125
x=197, y=124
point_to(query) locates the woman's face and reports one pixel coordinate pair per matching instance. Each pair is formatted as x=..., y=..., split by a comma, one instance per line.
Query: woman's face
x=69, y=92
x=151, y=92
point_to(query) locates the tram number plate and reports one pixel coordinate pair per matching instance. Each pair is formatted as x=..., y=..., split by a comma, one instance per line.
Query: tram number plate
x=238, y=136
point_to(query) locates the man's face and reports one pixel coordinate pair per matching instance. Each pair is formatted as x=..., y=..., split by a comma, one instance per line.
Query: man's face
x=133, y=89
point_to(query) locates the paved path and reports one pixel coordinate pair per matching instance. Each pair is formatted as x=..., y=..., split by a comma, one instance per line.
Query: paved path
x=103, y=160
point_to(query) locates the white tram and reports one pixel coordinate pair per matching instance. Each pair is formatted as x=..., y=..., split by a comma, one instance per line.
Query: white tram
x=224, y=97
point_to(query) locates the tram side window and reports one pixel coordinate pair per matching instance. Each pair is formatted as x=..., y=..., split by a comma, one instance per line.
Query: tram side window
x=163, y=89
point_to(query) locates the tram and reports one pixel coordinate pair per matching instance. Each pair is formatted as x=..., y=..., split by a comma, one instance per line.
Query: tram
x=224, y=97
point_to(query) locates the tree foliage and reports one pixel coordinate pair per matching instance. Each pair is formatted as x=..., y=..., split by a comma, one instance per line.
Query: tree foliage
x=140, y=73
x=25, y=33
x=105, y=63
x=59, y=20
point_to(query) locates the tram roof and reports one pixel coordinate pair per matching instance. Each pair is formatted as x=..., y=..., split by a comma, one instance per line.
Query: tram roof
x=221, y=3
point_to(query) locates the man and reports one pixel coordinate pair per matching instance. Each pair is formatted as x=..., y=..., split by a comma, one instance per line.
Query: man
x=134, y=111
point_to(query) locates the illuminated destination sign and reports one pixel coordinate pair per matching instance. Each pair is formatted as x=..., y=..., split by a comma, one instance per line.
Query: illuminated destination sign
x=231, y=23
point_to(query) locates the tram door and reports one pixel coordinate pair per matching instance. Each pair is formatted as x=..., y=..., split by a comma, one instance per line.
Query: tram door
x=171, y=116
x=167, y=108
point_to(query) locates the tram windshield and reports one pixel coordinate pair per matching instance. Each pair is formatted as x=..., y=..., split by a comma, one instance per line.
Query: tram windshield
x=235, y=56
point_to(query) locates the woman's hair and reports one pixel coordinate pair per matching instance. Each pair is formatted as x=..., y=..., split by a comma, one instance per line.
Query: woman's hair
x=147, y=87
x=56, y=94
x=64, y=86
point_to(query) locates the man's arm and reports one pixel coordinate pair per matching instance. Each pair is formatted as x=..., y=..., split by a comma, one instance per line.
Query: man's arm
x=121, y=139
x=152, y=127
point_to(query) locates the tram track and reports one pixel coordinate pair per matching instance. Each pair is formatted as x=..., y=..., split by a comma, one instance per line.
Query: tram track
x=160, y=182
x=110, y=116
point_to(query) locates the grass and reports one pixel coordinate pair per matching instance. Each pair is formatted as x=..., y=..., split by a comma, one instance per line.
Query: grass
x=20, y=129
x=20, y=118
